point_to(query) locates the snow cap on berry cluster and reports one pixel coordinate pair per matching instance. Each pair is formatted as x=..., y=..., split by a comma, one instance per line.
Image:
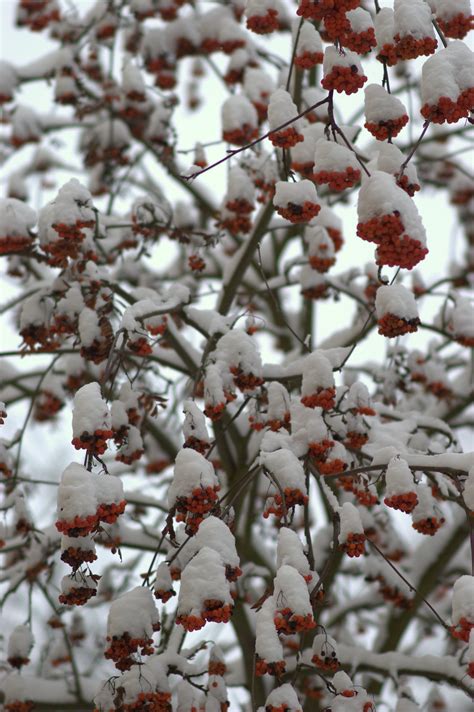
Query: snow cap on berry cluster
x=134, y=612
x=72, y=203
x=237, y=348
x=267, y=643
x=290, y=551
x=461, y=320
x=281, y=109
x=389, y=159
x=303, y=152
x=132, y=80
x=76, y=495
x=380, y=105
x=286, y=469
x=8, y=81
x=317, y=373
x=351, y=522
x=333, y=157
x=283, y=698
x=203, y=579
x=463, y=599
x=239, y=186
x=16, y=218
x=447, y=73
x=287, y=193
x=398, y=478
x=384, y=23
x=395, y=299
x=238, y=111
x=278, y=401
x=291, y=591
x=257, y=84
x=90, y=411
x=380, y=195
x=20, y=643
x=333, y=58
x=309, y=39
x=360, y=20
x=191, y=471
x=215, y=534
x=194, y=425
x=413, y=18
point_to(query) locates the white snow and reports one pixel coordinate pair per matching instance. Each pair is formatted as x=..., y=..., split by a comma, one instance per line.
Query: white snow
x=290, y=551
x=317, y=373
x=380, y=105
x=16, y=218
x=380, y=195
x=281, y=109
x=398, y=478
x=285, y=468
x=194, y=422
x=287, y=192
x=412, y=18
x=237, y=111
x=333, y=58
x=134, y=612
x=463, y=599
x=351, y=522
x=191, y=471
x=90, y=411
x=215, y=534
x=283, y=697
x=20, y=642
x=395, y=299
x=267, y=643
x=202, y=579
